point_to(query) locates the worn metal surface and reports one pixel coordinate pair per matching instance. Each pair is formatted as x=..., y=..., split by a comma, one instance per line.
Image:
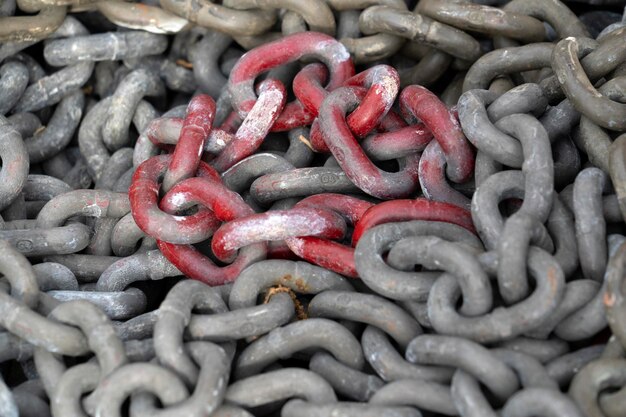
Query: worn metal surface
x=312, y=208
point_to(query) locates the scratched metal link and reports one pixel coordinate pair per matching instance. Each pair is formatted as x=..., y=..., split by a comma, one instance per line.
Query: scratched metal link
x=313, y=208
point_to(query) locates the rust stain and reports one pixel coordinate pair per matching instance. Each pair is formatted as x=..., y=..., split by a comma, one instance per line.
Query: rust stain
x=552, y=279
x=301, y=314
x=143, y=9
x=184, y=63
x=299, y=283
x=608, y=299
x=302, y=285
x=305, y=141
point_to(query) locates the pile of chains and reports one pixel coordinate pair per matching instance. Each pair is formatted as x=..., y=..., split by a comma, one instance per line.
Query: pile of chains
x=312, y=208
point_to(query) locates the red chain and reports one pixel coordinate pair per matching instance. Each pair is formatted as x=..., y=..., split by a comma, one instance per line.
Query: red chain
x=351, y=117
